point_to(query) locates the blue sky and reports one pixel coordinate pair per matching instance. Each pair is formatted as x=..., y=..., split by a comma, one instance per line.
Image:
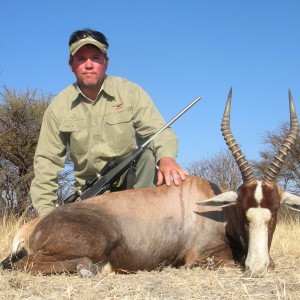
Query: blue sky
x=175, y=50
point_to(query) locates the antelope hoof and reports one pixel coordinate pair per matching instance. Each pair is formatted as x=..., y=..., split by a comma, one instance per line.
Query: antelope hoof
x=85, y=268
x=6, y=264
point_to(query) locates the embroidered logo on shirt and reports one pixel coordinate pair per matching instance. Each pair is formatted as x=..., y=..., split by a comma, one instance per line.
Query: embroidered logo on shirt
x=118, y=106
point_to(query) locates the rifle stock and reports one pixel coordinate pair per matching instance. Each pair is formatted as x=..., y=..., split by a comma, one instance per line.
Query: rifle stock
x=111, y=176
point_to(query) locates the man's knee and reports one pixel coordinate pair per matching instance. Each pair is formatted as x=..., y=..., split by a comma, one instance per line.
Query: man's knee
x=146, y=172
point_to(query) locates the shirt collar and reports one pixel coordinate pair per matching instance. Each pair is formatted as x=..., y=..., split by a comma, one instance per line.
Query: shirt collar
x=106, y=87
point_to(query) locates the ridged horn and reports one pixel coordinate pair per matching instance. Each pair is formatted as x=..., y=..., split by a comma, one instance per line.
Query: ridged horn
x=246, y=171
x=274, y=168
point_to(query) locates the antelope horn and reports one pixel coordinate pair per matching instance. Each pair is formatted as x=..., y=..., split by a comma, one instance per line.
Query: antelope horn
x=275, y=166
x=246, y=171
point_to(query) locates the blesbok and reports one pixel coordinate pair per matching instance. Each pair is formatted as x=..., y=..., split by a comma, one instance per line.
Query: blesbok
x=190, y=225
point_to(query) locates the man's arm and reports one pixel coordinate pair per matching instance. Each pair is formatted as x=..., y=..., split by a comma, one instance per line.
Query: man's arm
x=165, y=145
x=48, y=161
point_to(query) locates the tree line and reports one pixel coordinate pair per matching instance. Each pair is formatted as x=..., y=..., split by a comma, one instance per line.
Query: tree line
x=21, y=114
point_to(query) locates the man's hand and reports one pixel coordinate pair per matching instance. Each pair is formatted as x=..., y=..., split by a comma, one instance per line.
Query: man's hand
x=168, y=170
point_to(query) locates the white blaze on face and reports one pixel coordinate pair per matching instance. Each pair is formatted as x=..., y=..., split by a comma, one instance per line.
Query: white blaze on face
x=258, y=255
x=258, y=196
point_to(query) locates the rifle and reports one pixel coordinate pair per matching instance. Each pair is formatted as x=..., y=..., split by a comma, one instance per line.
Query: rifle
x=114, y=169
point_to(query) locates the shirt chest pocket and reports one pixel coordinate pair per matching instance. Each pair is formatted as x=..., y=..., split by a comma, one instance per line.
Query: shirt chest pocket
x=119, y=133
x=77, y=134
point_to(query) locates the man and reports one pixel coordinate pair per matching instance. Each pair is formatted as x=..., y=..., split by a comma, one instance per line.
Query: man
x=100, y=117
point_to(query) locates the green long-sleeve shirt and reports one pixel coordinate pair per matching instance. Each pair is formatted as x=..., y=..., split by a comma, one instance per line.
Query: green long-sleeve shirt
x=95, y=131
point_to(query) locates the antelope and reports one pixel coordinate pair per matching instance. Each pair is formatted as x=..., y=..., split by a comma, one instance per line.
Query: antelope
x=190, y=225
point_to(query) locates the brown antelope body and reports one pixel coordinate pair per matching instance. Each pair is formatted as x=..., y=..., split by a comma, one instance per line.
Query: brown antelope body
x=190, y=225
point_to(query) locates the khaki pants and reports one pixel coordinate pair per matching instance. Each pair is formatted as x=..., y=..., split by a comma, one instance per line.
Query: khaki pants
x=145, y=174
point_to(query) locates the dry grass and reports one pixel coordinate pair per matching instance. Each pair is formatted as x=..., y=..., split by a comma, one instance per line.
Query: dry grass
x=197, y=283
x=9, y=226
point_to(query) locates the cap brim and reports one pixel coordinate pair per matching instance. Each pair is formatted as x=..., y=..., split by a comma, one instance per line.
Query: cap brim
x=87, y=41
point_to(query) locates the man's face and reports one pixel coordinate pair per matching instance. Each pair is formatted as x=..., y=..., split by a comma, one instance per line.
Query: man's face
x=89, y=65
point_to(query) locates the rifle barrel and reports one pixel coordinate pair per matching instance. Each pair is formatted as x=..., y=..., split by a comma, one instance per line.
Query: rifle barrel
x=170, y=122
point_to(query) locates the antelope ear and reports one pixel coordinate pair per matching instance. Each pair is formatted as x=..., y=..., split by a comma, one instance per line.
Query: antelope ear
x=221, y=200
x=291, y=201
